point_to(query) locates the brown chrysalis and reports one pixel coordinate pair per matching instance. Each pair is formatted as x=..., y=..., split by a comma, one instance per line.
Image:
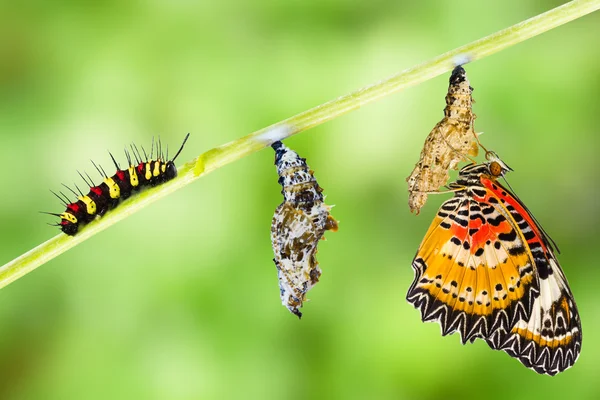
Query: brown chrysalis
x=298, y=225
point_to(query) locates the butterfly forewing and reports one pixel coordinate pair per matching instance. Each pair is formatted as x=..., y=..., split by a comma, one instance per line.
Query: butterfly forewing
x=465, y=277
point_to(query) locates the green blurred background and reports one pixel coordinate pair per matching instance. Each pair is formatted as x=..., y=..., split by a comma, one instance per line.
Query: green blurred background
x=180, y=301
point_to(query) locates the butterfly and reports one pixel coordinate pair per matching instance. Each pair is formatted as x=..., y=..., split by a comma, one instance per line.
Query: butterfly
x=487, y=269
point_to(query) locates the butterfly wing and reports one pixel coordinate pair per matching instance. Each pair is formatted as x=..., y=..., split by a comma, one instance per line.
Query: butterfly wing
x=471, y=273
x=549, y=340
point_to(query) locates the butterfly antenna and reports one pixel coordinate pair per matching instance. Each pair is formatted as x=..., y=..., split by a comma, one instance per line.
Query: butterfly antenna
x=181, y=148
x=114, y=161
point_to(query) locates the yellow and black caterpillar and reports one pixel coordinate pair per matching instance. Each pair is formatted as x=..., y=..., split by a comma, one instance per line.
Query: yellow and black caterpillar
x=141, y=172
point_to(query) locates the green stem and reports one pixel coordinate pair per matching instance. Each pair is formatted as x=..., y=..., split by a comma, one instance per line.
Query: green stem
x=256, y=141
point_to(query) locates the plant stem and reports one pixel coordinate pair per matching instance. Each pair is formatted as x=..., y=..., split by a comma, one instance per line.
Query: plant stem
x=222, y=155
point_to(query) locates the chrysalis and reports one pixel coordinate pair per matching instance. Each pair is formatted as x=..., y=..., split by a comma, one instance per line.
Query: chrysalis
x=451, y=141
x=298, y=225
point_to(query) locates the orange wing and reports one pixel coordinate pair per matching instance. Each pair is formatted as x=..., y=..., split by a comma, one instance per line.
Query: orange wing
x=472, y=271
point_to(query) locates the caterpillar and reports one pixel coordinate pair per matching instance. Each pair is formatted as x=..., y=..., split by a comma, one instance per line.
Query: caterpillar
x=297, y=226
x=113, y=189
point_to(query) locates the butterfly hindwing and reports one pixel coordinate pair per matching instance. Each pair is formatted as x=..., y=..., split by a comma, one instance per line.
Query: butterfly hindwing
x=549, y=341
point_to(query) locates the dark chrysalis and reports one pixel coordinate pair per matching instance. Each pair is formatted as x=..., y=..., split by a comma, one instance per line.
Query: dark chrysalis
x=298, y=225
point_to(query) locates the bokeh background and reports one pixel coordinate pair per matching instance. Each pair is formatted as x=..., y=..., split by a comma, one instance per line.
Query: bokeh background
x=180, y=301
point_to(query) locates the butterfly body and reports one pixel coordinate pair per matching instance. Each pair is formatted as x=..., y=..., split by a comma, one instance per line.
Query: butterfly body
x=488, y=270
